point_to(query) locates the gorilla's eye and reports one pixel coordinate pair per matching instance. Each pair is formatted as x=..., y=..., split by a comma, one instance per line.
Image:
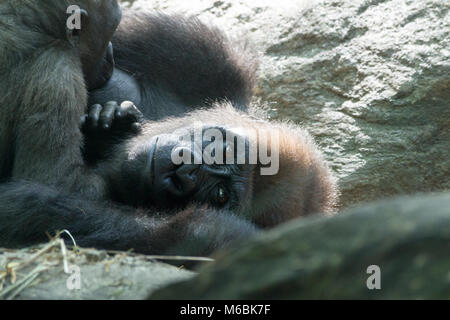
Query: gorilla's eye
x=221, y=196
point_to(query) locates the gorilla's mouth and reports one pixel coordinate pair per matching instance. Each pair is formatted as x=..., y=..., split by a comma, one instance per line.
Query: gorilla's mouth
x=109, y=64
x=110, y=54
x=99, y=76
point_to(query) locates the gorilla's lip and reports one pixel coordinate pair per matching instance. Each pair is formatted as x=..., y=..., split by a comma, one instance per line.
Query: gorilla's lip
x=110, y=54
x=109, y=63
x=150, y=163
x=99, y=76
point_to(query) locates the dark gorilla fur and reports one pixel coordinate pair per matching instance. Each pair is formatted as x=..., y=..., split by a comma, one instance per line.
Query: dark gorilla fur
x=171, y=66
x=43, y=88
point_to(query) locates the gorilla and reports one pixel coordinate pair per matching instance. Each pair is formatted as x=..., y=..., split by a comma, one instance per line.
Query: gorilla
x=185, y=78
x=45, y=69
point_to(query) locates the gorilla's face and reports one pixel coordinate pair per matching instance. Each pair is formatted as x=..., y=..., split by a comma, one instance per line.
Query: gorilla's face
x=207, y=165
x=199, y=165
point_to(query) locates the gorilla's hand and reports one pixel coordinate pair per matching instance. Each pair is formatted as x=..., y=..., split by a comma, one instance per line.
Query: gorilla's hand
x=113, y=118
x=106, y=126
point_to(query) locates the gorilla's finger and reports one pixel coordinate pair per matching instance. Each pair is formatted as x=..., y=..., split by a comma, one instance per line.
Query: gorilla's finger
x=94, y=115
x=120, y=112
x=83, y=120
x=107, y=114
x=129, y=111
x=136, y=128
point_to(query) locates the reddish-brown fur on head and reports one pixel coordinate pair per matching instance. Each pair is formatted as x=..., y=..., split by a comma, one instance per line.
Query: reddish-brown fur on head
x=303, y=184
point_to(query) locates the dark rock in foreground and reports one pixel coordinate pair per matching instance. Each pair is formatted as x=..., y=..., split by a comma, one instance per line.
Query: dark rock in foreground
x=327, y=258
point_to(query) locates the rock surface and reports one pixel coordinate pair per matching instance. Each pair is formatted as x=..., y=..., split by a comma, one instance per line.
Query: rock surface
x=370, y=79
x=38, y=273
x=328, y=258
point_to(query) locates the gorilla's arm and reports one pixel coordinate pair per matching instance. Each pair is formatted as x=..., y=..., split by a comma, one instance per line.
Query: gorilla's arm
x=29, y=210
x=45, y=70
x=192, y=59
x=169, y=64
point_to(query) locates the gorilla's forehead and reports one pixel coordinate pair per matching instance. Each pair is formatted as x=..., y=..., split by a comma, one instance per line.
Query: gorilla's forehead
x=213, y=130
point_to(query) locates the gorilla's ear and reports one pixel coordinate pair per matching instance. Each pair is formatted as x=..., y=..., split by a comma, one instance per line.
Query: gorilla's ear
x=73, y=30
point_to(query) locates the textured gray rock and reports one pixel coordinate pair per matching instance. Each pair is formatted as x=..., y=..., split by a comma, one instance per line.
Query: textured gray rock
x=328, y=258
x=103, y=276
x=369, y=79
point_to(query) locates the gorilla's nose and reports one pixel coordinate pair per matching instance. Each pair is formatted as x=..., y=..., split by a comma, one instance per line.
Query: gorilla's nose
x=182, y=181
x=187, y=179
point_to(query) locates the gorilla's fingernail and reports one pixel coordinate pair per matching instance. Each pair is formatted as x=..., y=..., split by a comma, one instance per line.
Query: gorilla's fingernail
x=136, y=127
x=127, y=104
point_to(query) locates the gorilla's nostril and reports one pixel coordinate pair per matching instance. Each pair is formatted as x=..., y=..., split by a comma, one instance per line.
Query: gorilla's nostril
x=188, y=183
x=187, y=177
x=173, y=186
x=182, y=181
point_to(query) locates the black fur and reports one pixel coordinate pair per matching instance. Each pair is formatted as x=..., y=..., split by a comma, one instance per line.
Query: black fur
x=29, y=210
x=176, y=64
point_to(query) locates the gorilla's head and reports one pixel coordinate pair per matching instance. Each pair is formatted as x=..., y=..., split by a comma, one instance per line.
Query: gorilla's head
x=266, y=173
